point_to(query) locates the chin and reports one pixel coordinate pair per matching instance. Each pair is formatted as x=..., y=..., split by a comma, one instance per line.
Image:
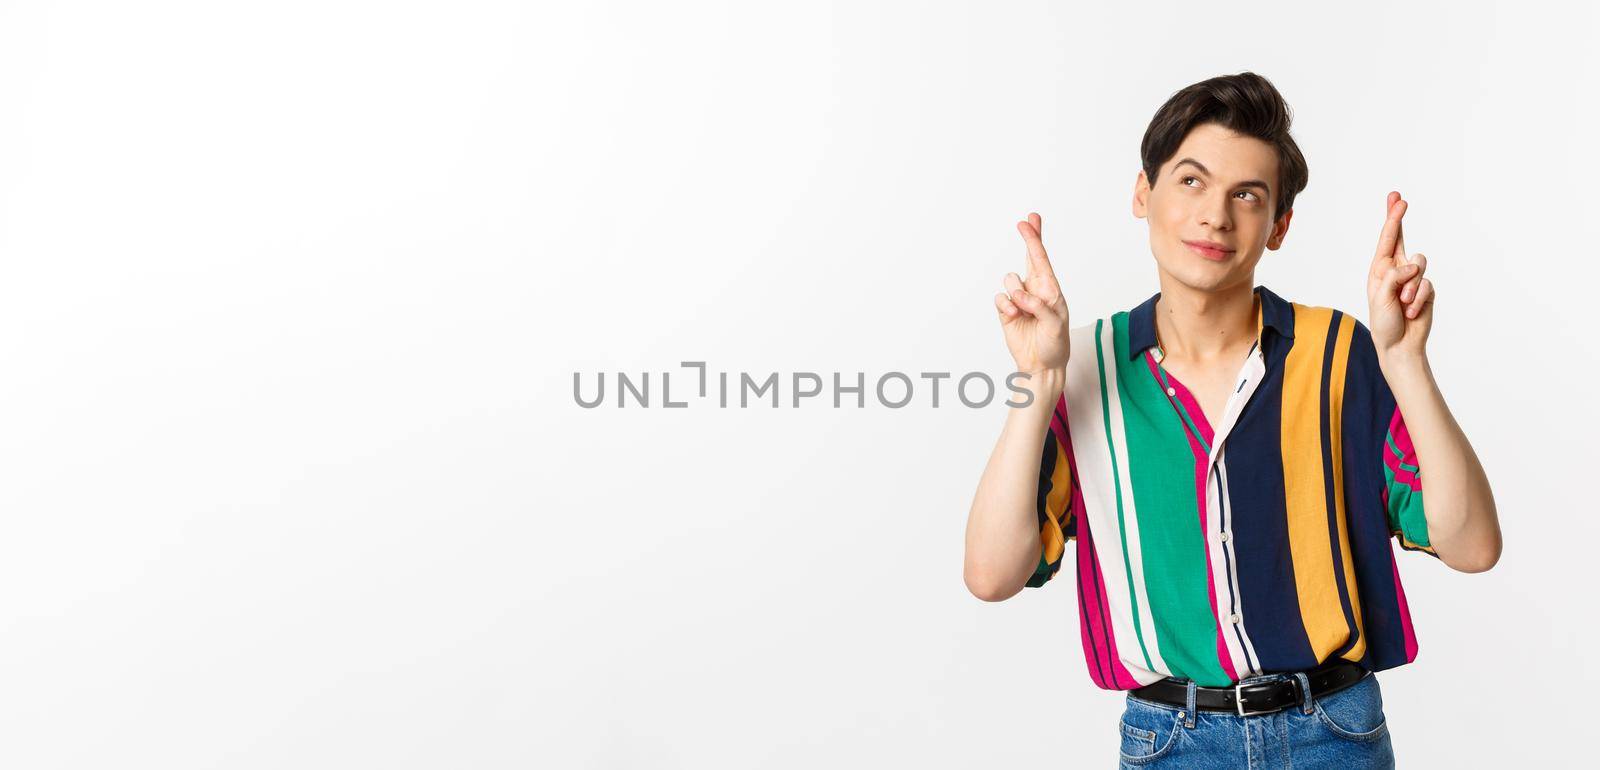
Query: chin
x=1196, y=273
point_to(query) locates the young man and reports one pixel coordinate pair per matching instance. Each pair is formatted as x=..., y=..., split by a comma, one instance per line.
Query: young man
x=1232, y=466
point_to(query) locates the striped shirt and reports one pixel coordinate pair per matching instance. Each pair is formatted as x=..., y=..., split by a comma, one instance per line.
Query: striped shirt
x=1258, y=545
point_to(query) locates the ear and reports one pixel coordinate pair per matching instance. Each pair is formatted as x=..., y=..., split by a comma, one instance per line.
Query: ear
x=1141, y=196
x=1279, y=230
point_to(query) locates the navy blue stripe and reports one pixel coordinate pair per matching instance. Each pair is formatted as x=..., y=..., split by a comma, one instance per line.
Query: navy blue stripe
x=1099, y=593
x=1329, y=491
x=1101, y=666
x=1267, y=587
x=1368, y=403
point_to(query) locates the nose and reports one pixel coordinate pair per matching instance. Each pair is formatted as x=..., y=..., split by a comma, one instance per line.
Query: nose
x=1214, y=213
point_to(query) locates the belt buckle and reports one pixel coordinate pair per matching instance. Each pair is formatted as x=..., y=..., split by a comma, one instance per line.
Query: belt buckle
x=1238, y=701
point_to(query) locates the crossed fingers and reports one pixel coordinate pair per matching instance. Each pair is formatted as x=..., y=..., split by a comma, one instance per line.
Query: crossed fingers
x=1037, y=292
x=1416, y=291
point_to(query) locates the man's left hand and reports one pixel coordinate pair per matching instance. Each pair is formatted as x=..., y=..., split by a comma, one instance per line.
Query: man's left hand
x=1399, y=299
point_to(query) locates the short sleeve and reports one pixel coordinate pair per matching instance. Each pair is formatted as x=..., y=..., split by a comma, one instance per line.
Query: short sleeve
x=1057, y=522
x=1402, y=488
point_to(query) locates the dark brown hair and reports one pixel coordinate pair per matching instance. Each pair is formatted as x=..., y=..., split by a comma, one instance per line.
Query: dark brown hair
x=1245, y=103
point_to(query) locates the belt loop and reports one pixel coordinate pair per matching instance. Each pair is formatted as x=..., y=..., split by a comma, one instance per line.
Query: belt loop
x=1305, y=692
x=1188, y=711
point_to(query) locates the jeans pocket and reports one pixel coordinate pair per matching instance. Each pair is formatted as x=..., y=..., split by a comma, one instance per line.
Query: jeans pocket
x=1354, y=713
x=1148, y=732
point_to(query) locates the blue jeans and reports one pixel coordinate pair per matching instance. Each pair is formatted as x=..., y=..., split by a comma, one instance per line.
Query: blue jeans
x=1345, y=730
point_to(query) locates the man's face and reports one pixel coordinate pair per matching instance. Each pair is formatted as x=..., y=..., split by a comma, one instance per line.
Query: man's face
x=1219, y=187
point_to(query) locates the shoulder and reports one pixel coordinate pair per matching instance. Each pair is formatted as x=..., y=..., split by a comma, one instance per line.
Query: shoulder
x=1360, y=359
x=1323, y=322
x=1087, y=338
x=1093, y=344
x=1102, y=324
x=1360, y=336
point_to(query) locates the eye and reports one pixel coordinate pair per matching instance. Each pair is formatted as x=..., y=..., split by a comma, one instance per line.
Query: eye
x=1253, y=196
x=1185, y=180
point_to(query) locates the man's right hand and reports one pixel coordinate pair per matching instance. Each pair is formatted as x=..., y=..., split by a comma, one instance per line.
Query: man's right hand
x=1033, y=313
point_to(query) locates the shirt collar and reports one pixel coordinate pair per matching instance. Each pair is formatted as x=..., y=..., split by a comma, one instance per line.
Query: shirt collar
x=1276, y=312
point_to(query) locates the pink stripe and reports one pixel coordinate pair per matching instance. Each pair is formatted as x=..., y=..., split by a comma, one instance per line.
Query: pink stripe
x=1098, y=636
x=1099, y=642
x=1058, y=424
x=1201, y=465
x=1405, y=610
x=1402, y=441
x=1187, y=398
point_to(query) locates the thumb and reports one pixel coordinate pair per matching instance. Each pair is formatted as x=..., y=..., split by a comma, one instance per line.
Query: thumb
x=1389, y=286
x=1035, y=306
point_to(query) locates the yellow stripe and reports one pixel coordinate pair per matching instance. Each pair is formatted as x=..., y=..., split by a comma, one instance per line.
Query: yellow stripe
x=1406, y=541
x=1055, y=506
x=1305, y=495
x=1341, y=357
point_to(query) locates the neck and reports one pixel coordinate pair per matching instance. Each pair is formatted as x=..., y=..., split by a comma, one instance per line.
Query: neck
x=1196, y=325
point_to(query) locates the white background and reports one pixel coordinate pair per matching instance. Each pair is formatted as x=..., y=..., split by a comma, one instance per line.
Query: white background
x=291, y=474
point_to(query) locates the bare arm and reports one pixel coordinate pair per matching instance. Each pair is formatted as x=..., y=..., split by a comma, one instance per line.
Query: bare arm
x=1002, y=528
x=1463, y=524
x=1002, y=540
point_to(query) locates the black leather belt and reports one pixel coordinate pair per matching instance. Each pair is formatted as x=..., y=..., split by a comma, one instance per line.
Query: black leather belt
x=1256, y=697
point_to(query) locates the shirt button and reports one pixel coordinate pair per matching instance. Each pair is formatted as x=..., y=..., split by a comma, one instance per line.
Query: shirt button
x=1223, y=537
x=1171, y=391
x=1234, y=618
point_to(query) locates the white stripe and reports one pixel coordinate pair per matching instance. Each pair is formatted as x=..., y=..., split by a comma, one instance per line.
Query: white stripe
x=1093, y=462
x=1130, y=513
x=1224, y=558
x=1250, y=375
x=1241, y=665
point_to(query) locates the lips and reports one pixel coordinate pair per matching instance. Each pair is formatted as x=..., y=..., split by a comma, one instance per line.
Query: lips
x=1209, y=250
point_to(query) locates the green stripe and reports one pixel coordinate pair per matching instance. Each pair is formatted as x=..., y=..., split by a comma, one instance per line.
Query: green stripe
x=1161, y=468
x=1188, y=419
x=1394, y=449
x=1116, y=484
x=1405, y=511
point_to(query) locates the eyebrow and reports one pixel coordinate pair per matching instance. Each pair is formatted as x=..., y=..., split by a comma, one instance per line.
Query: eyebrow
x=1246, y=183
